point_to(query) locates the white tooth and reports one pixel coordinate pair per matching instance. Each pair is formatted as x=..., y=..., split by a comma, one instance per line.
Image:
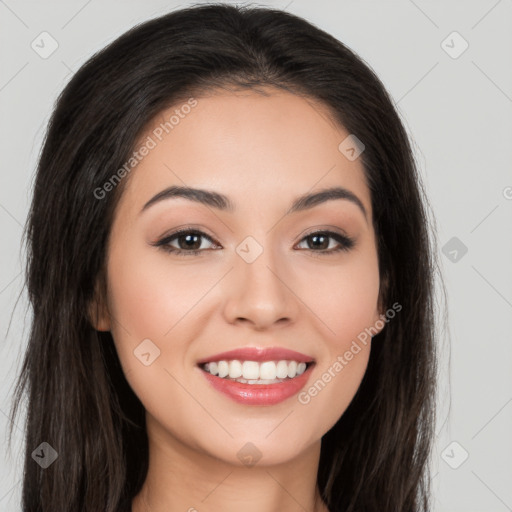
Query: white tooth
x=268, y=370
x=282, y=370
x=301, y=367
x=235, y=369
x=251, y=370
x=223, y=368
x=256, y=382
x=292, y=369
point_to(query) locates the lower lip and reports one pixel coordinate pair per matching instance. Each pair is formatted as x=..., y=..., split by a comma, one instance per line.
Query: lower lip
x=259, y=394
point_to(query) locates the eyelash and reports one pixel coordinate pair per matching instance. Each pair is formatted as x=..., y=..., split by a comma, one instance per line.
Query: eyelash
x=346, y=243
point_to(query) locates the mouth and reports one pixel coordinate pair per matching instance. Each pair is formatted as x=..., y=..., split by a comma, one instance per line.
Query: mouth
x=254, y=372
x=258, y=376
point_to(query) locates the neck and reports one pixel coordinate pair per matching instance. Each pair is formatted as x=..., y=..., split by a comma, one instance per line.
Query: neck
x=181, y=479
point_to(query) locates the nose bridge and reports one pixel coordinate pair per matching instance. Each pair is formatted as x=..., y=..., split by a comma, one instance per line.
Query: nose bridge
x=260, y=294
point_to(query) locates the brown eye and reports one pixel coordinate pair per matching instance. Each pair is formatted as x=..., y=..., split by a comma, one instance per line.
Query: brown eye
x=189, y=242
x=321, y=241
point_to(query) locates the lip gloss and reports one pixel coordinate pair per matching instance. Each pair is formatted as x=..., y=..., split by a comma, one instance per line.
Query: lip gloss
x=259, y=394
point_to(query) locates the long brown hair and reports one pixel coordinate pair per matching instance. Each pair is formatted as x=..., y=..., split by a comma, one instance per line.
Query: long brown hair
x=375, y=458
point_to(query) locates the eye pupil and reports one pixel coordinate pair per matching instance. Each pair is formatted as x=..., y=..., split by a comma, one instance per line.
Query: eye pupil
x=321, y=245
x=189, y=238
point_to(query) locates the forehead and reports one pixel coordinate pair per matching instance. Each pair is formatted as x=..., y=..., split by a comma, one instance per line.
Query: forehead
x=247, y=145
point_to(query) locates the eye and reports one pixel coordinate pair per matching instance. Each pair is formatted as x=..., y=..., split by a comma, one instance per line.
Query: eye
x=188, y=241
x=320, y=241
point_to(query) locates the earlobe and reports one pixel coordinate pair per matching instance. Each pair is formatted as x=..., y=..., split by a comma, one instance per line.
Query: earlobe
x=380, y=322
x=98, y=313
x=99, y=317
x=380, y=319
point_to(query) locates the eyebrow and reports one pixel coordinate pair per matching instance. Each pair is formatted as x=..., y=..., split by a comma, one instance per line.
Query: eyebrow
x=222, y=202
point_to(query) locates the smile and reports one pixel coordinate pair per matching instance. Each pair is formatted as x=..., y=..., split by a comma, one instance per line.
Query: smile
x=258, y=376
x=253, y=372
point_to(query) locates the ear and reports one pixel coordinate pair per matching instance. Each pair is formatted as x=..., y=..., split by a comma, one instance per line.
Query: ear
x=98, y=313
x=379, y=320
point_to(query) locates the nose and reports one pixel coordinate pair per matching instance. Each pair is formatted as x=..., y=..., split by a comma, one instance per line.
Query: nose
x=261, y=293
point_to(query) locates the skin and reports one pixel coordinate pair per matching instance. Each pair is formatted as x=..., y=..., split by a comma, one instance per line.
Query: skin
x=262, y=152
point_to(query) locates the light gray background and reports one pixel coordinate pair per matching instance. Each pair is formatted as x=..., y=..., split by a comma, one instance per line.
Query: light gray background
x=458, y=112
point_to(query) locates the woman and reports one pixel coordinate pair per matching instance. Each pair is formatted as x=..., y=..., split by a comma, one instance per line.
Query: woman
x=231, y=277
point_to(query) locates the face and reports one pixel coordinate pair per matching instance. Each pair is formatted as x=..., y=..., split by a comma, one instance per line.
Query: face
x=251, y=272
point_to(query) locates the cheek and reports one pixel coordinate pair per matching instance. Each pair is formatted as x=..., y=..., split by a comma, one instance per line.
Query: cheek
x=345, y=301
x=351, y=307
x=344, y=298
x=151, y=303
x=332, y=388
x=149, y=296
x=154, y=297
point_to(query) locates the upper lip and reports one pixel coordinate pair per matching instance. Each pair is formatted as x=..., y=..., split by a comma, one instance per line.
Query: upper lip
x=258, y=354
